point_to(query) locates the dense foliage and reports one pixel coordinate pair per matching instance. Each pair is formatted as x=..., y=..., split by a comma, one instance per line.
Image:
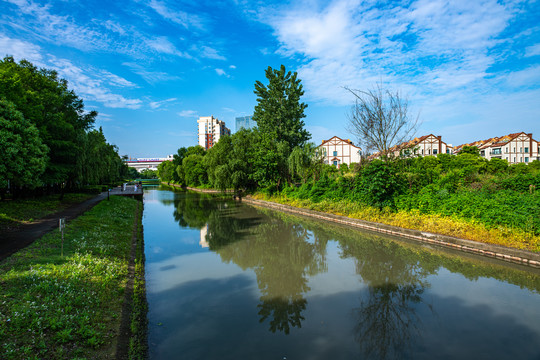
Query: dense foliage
x=270, y=160
x=46, y=135
x=464, y=186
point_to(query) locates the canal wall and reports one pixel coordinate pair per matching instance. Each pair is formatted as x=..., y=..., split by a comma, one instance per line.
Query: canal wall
x=517, y=256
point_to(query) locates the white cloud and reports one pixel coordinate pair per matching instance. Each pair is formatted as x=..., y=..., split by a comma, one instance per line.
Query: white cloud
x=533, y=50
x=183, y=18
x=21, y=50
x=432, y=46
x=232, y=67
x=158, y=104
x=221, y=72
x=162, y=45
x=188, y=113
x=210, y=53
x=149, y=76
x=89, y=84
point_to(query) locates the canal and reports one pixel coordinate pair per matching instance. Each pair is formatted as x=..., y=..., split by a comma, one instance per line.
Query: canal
x=230, y=281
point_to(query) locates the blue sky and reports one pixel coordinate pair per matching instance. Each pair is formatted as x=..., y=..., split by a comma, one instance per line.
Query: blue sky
x=471, y=68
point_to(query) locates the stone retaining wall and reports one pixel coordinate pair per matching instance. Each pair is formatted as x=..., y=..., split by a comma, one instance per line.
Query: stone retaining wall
x=517, y=256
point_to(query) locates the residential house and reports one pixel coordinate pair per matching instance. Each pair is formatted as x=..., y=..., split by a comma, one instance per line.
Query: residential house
x=515, y=148
x=337, y=151
x=427, y=145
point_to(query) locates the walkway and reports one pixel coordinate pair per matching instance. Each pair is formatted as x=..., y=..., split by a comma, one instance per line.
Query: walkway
x=24, y=235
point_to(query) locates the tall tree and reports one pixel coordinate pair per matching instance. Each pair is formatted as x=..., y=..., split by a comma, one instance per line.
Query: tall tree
x=24, y=156
x=279, y=112
x=380, y=119
x=45, y=100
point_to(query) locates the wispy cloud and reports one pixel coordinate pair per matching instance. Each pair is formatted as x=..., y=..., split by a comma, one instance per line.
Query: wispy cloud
x=434, y=45
x=222, y=72
x=21, y=50
x=209, y=53
x=533, y=50
x=162, y=45
x=150, y=76
x=158, y=104
x=188, y=113
x=89, y=84
x=180, y=17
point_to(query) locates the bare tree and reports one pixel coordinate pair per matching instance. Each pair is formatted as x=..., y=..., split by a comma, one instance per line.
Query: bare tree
x=380, y=119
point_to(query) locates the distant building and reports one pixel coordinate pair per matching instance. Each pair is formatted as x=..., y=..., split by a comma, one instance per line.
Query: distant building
x=337, y=151
x=211, y=130
x=245, y=122
x=141, y=164
x=515, y=148
x=427, y=145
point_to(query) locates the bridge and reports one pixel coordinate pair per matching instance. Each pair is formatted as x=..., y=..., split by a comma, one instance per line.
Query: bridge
x=141, y=164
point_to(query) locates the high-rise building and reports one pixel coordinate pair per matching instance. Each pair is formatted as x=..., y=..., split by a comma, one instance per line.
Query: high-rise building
x=245, y=122
x=211, y=130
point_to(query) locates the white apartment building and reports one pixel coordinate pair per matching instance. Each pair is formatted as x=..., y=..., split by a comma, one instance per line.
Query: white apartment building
x=337, y=151
x=514, y=148
x=210, y=131
x=427, y=145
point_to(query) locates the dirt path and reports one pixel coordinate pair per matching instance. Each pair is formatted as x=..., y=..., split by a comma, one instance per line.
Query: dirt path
x=12, y=241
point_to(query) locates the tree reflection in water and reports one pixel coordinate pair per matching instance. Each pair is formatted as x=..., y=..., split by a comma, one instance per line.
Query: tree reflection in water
x=387, y=323
x=283, y=257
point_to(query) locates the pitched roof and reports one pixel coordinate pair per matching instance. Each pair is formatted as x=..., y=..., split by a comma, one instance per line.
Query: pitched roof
x=337, y=137
x=494, y=141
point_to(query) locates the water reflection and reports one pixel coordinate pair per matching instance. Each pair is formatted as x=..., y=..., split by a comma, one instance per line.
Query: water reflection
x=346, y=293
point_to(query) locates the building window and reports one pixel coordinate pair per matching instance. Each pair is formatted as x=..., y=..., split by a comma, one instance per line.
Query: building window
x=434, y=151
x=335, y=162
x=520, y=149
x=335, y=153
x=506, y=150
x=526, y=159
x=526, y=150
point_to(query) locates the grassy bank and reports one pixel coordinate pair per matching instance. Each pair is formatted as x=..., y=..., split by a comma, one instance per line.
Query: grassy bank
x=69, y=307
x=445, y=225
x=16, y=212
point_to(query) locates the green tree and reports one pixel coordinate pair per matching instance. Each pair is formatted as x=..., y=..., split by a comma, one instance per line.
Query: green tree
x=279, y=112
x=165, y=171
x=24, y=156
x=58, y=113
x=470, y=150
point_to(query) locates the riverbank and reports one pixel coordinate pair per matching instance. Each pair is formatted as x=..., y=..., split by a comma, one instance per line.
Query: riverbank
x=72, y=305
x=509, y=254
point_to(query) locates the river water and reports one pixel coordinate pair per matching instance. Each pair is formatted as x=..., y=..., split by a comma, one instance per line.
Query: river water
x=230, y=281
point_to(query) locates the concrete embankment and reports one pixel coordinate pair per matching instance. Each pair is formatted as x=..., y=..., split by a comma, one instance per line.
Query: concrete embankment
x=517, y=256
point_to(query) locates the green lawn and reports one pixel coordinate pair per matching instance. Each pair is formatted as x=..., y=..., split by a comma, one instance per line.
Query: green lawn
x=16, y=212
x=69, y=307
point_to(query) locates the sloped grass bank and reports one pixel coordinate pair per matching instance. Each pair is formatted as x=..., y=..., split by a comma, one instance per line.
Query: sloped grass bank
x=21, y=211
x=469, y=229
x=65, y=307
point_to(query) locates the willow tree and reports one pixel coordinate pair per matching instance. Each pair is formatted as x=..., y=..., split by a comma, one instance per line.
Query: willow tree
x=24, y=156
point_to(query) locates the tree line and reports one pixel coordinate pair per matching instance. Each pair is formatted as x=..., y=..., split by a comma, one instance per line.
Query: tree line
x=47, y=140
x=277, y=158
x=275, y=153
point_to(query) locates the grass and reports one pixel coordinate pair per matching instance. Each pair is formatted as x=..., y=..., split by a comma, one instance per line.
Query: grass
x=445, y=225
x=69, y=307
x=16, y=212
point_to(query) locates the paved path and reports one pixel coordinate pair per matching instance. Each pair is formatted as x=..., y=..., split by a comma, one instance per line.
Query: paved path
x=19, y=238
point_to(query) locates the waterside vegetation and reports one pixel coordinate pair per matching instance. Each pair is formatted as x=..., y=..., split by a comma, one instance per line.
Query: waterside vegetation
x=47, y=139
x=69, y=306
x=460, y=195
